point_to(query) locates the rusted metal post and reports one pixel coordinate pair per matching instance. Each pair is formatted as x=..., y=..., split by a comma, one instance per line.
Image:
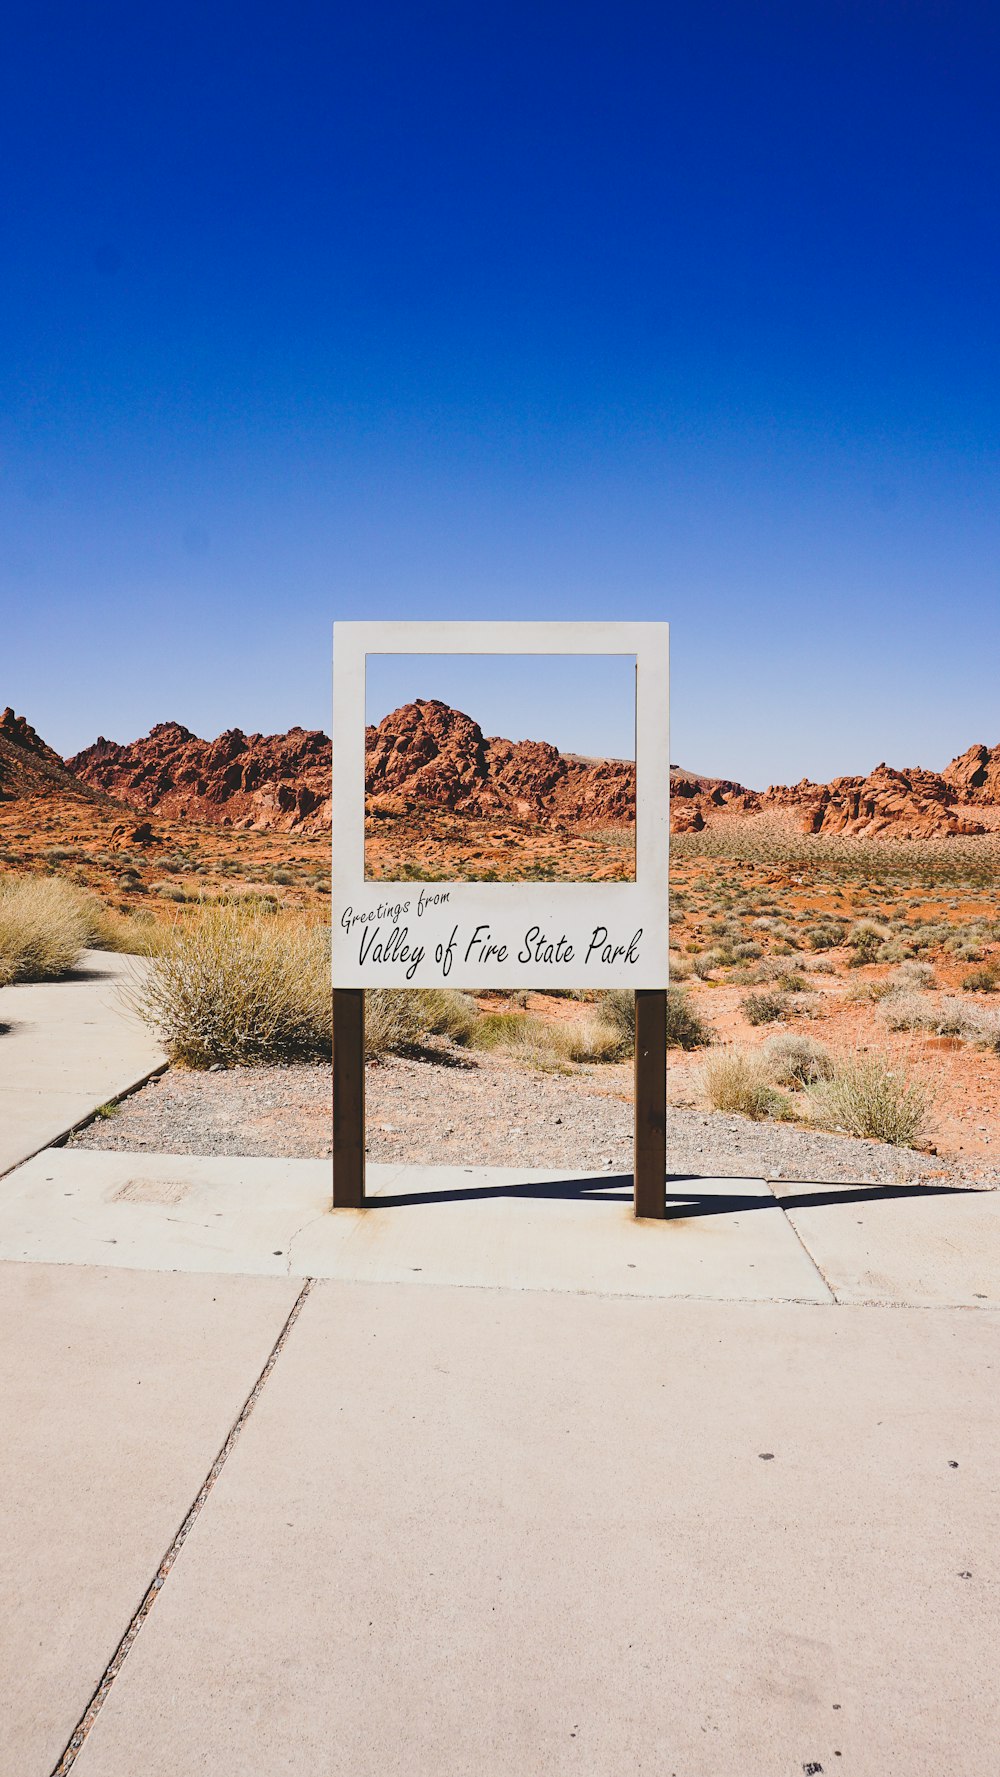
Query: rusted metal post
x=649, y=1160
x=348, y=1098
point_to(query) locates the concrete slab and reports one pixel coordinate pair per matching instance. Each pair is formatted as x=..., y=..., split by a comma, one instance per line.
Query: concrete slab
x=922, y=1244
x=480, y=1531
x=492, y=1228
x=66, y=1047
x=117, y=1390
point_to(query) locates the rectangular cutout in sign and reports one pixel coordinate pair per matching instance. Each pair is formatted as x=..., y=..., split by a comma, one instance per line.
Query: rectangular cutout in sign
x=500, y=767
x=469, y=850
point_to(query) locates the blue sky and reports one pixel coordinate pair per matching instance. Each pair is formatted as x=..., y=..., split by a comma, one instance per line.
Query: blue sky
x=687, y=313
x=581, y=703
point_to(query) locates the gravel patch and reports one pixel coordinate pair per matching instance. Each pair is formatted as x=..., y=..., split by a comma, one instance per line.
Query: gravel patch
x=485, y=1111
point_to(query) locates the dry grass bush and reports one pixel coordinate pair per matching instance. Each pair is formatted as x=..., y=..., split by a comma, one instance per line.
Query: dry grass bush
x=551, y=1046
x=397, y=1018
x=739, y=1081
x=866, y=940
x=239, y=987
x=392, y=1020
x=872, y=1097
x=949, y=1016
x=133, y=934
x=982, y=980
x=907, y=1011
x=446, y=1012
x=826, y=936
x=793, y=1059
x=616, y=1008
x=952, y=1017
x=45, y=925
x=869, y=992
x=912, y=977
x=597, y=1039
x=807, y=1005
x=522, y=1037
x=763, y=1008
x=685, y=1028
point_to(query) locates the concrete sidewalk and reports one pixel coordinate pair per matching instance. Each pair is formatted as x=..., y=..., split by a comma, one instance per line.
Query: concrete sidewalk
x=117, y=1390
x=505, y=1532
x=498, y=1228
x=65, y=1048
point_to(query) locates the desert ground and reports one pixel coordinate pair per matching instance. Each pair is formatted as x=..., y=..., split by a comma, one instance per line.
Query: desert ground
x=753, y=916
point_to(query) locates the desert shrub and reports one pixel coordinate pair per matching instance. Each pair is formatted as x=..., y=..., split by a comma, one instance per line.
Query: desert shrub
x=446, y=1012
x=238, y=986
x=737, y=1081
x=549, y=1045
x=953, y=1018
x=616, y=1008
x=767, y=969
x=685, y=1029
x=523, y=1037
x=866, y=940
x=133, y=932
x=806, y=1005
x=911, y=977
x=825, y=936
x=871, y=991
x=929, y=935
x=596, y=1039
x=680, y=966
x=792, y=981
x=892, y=951
x=396, y=1018
x=907, y=1011
x=45, y=925
x=706, y=964
x=393, y=1020
x=763, y=1008
x=982, y=980
x=869, y=1096
x=795, y=1060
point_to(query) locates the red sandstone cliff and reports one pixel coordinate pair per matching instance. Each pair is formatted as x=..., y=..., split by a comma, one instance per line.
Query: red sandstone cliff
x=30, y=768
x=911, y=804
x=262, y=781
x=428, y=755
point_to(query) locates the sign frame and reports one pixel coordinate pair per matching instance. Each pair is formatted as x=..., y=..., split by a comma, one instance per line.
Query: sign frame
x=460, y=933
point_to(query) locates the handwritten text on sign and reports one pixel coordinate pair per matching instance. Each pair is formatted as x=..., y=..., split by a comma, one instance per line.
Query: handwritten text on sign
x=389, y=934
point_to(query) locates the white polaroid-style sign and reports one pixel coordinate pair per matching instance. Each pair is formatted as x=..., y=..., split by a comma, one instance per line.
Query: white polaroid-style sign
x=501, y=934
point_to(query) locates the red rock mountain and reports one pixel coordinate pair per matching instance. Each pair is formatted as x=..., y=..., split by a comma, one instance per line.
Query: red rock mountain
x=975, y=776
x=912, y=804
x=427, y=754
x=30, y=768
x=263, y=781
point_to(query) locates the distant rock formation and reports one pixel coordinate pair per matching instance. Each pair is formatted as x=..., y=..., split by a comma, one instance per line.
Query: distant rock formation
x=912, y=804
x=260, y=781
x=427, y=754
x=30, y=768
x=975, y=775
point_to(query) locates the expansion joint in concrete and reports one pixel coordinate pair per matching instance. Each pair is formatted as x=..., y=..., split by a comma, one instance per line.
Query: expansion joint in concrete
x=100, y=1695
